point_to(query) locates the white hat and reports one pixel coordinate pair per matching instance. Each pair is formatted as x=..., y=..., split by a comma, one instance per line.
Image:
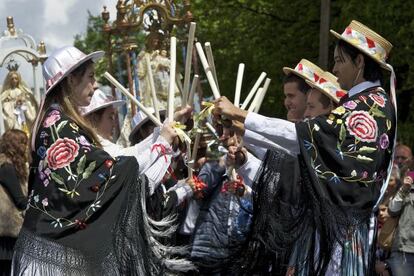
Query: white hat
x=62, y=62
x=99, y=100
x=305, y=70
x=141, y=118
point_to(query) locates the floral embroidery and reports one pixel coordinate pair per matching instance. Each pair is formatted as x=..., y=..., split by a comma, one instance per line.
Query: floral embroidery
x=378, y=99
x=52, y=118
x=362, y=126
x=62, y=153
x=41, y=151
x=339, y=110
x=350, y=105
x=384, y=141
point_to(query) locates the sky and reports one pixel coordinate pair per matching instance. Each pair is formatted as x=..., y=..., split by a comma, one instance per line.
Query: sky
x=56, y=22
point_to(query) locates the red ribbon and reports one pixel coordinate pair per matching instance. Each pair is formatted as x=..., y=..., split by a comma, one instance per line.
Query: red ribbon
x=198, y=187
x=234, y=184
x=162, y=150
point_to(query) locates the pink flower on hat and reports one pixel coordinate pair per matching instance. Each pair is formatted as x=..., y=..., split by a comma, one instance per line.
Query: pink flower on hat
x=62, y=153
x=362, y=126
x=52, y=118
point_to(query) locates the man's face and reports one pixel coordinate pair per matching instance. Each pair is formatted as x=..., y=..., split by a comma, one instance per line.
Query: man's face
x=314, y=106
x=295, y=102
x=402, y=155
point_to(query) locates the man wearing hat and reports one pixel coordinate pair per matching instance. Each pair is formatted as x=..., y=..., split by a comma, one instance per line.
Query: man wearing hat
x=345, y=161
x=324, y=96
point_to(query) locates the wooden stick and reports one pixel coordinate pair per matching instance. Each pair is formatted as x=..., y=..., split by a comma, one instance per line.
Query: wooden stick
x=253, y=91
x=152, y=86
x=255, y=100
x=171, y=90
x=194, y=85
x=132, y=98
x=188, y=60
x=207, y=69
x=239, y=81
x=189, y=167
x=210, y=60
x=265, y=88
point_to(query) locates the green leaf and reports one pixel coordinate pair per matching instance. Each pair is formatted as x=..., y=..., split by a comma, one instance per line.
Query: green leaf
x=60, y=126
x=342, y=133
x=64, y=190
x=377, y=113
x=89, y=170
x=57, y=178
x=388, y=124
x=81, y=165
x=366, y=149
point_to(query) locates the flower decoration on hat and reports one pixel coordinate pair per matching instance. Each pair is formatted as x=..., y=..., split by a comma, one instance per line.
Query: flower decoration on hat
x=328, y=85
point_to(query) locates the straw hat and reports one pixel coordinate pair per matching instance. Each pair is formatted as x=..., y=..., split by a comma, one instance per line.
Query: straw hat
x=305, y=70
x=99, y=100
x=367, y=41
x=328, y=85
x=64, y=61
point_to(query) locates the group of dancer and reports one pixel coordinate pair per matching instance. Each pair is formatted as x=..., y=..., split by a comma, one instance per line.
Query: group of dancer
x=303, y=200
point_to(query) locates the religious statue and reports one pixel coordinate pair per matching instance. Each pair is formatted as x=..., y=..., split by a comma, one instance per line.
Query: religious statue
x=18, y=102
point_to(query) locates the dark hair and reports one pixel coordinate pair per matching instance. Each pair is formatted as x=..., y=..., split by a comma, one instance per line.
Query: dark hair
x=325, y=100
x=302, y=85
x=372, y=70
x=13, y=144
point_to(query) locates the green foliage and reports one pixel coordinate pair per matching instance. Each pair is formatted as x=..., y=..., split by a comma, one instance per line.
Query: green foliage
x=267, y=35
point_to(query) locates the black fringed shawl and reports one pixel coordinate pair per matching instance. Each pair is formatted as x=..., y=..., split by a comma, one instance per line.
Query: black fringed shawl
x=343, y=165
x=86, y=213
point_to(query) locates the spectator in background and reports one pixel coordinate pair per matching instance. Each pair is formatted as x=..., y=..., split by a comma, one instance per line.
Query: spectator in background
x=401, y=262
x=403, y=155
x=13, y=192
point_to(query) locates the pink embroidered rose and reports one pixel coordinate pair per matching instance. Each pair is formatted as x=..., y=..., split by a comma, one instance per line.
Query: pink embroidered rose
x=51, y=118
x=350, y=105
x=378, y=99
x=62, y=153
x=362, y=126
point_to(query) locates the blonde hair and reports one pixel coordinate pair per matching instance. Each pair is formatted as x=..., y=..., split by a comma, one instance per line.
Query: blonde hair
x=7, y=83
x=62, y=95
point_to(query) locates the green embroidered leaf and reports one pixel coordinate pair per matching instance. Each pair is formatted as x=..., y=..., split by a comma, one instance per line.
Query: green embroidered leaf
x=342, y=133
x=366, y=149
x=57, y=178
x=60, y=126
x=364, y=158
x=64, y=190
x=321, y=176
x=89, y=170
x=388, y=124
x=81, y=165
x=377, y=113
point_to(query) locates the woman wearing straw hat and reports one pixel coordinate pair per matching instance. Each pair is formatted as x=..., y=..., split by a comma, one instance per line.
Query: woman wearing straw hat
x=345, y=162
x=86, y=211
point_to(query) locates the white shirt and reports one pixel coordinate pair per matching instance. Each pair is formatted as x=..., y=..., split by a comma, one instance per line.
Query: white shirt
x=278, y=133
x=151, y=161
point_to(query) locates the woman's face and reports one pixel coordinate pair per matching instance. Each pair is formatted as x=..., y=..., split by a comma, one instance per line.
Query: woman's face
x=106, y=124
x=84, y=86
x=344, y=69
x=14, y=80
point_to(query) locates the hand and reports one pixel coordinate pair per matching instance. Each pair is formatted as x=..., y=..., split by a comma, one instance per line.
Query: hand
x=407, y=182
x=238, y=128
x=224, y=108
x=182, y=114
x=236, y=157
x=380, y=269
x=168, y=132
